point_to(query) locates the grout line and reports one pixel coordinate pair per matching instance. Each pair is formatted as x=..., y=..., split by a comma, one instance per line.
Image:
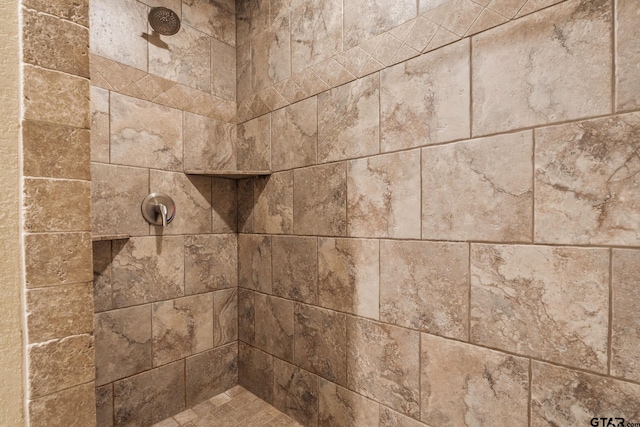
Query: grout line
x=469, y=294
x=614, y=57
x=610, y=319
x=533, y=187
x=530, y=392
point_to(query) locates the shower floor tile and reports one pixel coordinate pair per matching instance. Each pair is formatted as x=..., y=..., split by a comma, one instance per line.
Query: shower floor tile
x=236, y=407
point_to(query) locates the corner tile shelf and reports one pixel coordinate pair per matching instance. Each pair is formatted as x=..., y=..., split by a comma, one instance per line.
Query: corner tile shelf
x=228, y=174
x=103, y=237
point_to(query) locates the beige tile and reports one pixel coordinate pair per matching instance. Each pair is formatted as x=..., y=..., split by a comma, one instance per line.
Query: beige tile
x=215, y=18
x=587, y=182
x=296, y=393
x=625, y=325
x=185, y=416
x=59, y=311
x=383, y=197
x=123, y=343
x=440, y=7
x=389, y=418
x=554, y=83
x=245, y=205
x=319, y=200
x=192, y=196
x=508, y=8
x=627, y=55
x=54, y=43
x=294, y=135
x=223, y=71
x=487, y=19
x=254, y=262
x=246, y=316
x=492, y=179
x=256, y=371
x=208, y=144
x=100, y=135
x=252, y=17
x=254, y=144
x=463, y=15
x=320, y=342
x=561, y=396
x=147, y=269
x=224, y=205
x=316, y=32
x=104, y=406
x=117, y=193
x=73, y=407
x=534, y=300
x=273, y=204
x=349, y=120
x=59, y=364
x=169, y=422
x=225, y=316
x=211, y=373
x=243, y=69
x=55, y=97
x=271, y=56
x=77, y=12
x=363, y=20
x=425, y=286
x=535, y=5
x=274, y=326
x=181, y=327
x=295, y=268
x=383, y=364
x=461, y=382
x=340, y=407
x=102, y=276
x=56, y=205
x=348, y=276
x=57, y=259
x=151, y=396
x=210, y=263
x=116, y=28
x=425, y=100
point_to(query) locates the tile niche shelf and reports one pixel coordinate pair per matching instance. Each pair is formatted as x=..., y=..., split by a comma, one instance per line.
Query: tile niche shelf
x=102, y=237
x=229, y=174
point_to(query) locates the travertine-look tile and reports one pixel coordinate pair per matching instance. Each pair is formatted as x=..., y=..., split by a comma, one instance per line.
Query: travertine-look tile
x=116, y=195
x=123, y=343
x=192, y=196
x=273, y=204
x=625, y=336
x=151, y=396
x=73, y=407
x=466, y=385
x=102, y=276
x=295, y=268
x=492, y=180
x=223, y=71
x=210, y=263
x=145, y=134
x=363, y=20
x=383, y=198
x=274, y=326
x=389, y=418
x=587, y=182
x=225, y=316
x=57, y=259
x=182, y=327
x=425, y=285
x=208, y=144
x=254, y=262
x=534, y=300
x=104, y=406
x=252, y=17
x=56, y=205
x=100, y=137
x=243, y=69
x=627, y=54
x=294, y=135
x=216, y=18
x=245, y=205
x=555, y=83
x=59, y=311
x=255, y=371
x=320, y=342
x=295, y=393
x=560, y=396
x=54, y=151
x=426, y=99
x=271, y=56
x=246, y=316
x=382, y=363
x=319, y=200
x=349, y=120
x=211, y=373
x=187, y=59
x=348, y=276
x=316, y=32
x=58, y=364
x=338, y=406
x=224, y=205
x=147, y=269
x=77, y=12
x=116, y=29
x=254, y=144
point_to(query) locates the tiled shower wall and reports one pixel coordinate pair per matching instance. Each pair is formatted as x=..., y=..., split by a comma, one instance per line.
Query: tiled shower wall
x=451, y=232
x=165, y=299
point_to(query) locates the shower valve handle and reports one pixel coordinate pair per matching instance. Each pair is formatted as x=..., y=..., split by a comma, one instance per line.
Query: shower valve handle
x=162, y=211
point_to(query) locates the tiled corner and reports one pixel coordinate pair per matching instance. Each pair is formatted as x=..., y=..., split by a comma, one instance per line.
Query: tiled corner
x=210, y=263
x=254, y=262
x=256, y=371
x=339, y=406
x=294, y=135
x=208, y=144
x=254, y=144
x=225, y=317
x=273, y=203
x=295, y=264
x=211, y=373
x=295, y=393
x=274, y=326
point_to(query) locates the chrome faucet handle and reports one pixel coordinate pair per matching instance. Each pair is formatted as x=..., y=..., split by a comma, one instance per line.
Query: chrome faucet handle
x=162, y=211
x=158, y=209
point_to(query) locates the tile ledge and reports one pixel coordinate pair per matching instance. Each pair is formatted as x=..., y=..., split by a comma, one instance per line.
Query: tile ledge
x=103, y=237
x=229, y=174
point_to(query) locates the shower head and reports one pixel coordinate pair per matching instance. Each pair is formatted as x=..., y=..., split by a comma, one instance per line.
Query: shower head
x=164, y=21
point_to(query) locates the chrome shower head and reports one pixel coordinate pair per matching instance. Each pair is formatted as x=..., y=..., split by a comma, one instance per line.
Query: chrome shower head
x=164, y=21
